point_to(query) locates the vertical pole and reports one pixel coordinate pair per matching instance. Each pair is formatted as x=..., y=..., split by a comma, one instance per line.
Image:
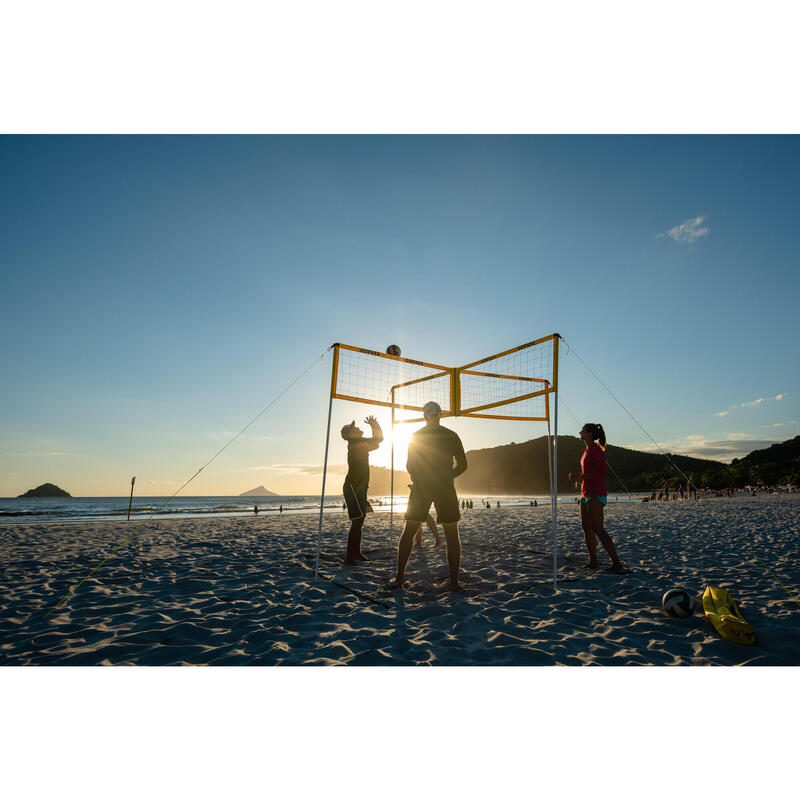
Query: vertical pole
x=322, y=497
x=556, y=339
x=550, y=468
x=391, y=479
x=130, y=502
x=555, y=492
x=334, y=372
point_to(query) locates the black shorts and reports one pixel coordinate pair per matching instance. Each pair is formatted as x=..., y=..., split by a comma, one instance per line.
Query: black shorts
x=443, y=497
x=355, y=495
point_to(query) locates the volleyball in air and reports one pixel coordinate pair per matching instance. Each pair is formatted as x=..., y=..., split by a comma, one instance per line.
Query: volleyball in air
x=393, y=350
x=678, y=603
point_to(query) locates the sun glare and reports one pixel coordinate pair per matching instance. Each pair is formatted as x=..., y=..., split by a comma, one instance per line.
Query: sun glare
x=402, y=437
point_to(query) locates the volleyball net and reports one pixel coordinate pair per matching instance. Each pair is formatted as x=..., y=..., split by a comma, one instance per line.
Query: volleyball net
x=512, y=385
x=520, y=383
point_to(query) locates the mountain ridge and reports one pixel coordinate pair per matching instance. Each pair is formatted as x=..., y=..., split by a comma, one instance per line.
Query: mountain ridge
x=259, y=491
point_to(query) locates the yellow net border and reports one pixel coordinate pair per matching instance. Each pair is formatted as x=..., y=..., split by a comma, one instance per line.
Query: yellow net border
x=507, y=382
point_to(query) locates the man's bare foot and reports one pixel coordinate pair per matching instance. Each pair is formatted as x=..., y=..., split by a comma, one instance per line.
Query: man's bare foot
x=591, y=565
x=396, y=583
x=456, y=587
x=618, y=567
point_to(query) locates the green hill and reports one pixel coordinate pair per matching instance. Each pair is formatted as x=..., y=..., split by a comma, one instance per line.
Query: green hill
x=775, y=465
x=46, y=490
x=521, y=468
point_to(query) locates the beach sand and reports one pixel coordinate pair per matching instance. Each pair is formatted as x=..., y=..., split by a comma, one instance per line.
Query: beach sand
x=242, y=591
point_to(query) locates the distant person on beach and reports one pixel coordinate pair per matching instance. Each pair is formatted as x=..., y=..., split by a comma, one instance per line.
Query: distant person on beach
x=255, y=510
x=431, y=523
x=431, y=456
x=280, y=508
x=666, y=491
x=356, y=483
x=593, y=495
x=680, y=490
x=498, y=504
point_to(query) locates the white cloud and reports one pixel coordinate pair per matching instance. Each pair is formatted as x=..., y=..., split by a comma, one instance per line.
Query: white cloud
x=737, y=445
x=34, y=455
x=307, y=469
x=687, y=231
x=749, y=404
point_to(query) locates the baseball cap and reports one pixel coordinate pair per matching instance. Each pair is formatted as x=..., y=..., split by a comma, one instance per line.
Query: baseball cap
x=432, y=409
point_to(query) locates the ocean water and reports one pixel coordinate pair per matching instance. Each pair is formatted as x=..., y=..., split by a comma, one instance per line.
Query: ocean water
x=96, y=509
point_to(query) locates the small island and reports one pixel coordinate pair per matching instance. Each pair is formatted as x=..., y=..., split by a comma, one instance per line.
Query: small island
x=46, y=490
x=259, y=491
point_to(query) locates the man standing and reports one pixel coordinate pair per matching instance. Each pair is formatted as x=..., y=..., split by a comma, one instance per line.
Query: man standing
x=432, y=452
x=356, y=482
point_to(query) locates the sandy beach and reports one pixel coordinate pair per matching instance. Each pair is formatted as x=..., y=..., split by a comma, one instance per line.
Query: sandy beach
x=241, y=591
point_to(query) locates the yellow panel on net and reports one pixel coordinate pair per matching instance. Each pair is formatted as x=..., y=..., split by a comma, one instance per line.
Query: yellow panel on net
x=368, y=376
x=513, y=384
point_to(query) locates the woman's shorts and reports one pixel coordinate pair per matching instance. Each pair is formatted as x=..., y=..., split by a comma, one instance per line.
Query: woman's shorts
x=444, y=498
x=602, y=499
x=355, y=495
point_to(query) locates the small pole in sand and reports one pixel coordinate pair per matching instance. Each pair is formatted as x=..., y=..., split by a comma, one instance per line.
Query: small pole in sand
x=130, y=502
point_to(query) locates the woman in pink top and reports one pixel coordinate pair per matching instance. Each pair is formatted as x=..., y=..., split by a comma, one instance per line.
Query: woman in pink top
x=593, y=494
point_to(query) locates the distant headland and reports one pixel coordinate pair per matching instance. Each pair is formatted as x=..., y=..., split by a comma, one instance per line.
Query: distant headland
x=46, y=490
x=259, y=491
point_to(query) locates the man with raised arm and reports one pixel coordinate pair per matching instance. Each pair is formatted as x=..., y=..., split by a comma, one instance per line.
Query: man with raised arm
x=435, y=459
x=356, y=482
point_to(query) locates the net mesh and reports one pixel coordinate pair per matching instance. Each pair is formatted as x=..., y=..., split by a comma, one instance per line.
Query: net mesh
x=507, y=380
x=510, y=385
x=368, y=377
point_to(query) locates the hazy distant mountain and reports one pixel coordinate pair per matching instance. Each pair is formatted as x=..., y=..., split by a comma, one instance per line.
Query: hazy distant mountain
x=259, y=491
x=380, y=481
x=46, y=490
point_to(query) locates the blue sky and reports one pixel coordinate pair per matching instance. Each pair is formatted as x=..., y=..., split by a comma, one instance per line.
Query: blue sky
x=159, y=291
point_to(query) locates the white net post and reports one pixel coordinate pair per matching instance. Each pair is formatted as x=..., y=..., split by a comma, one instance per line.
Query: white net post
x=552, y=490
x=555, y=491
x=334, y=370
x=391, y=476
x=322, y=496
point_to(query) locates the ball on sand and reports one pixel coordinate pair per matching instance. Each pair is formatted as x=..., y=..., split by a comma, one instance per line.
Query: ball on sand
x=393, y=350
x=678, y=603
